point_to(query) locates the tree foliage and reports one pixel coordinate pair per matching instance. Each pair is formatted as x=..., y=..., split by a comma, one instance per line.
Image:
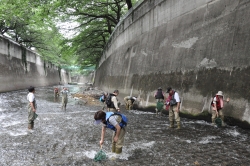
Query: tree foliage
x=35, y=23
x=31, y=24
x=96, y=21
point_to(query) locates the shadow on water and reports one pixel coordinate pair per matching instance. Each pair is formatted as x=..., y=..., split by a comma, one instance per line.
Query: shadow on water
x=70, y=138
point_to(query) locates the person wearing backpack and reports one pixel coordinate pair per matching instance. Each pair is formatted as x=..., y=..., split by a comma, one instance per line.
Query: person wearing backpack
x=159, y=96
x=116, y=122
x=103, y=99
x=217, y=105
x=112, y=102
x=174, y=108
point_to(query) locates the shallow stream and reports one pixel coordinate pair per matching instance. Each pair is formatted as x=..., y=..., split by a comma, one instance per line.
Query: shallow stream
x=70, y=138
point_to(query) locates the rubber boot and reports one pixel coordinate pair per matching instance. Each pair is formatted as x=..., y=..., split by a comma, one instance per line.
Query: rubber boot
x=223, y=124
x=113, y=148
x=126, y=106
x=171, y=124
x=32, y=125
x=118, y=150
x=178, y=125
x=156, y=111
x=29, y=126
x=213, y=121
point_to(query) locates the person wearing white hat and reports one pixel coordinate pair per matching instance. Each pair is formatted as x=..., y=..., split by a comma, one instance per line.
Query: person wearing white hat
x=217, y=105
x=174, y=108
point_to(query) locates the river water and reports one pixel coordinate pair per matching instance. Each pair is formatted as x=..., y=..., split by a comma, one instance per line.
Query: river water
x=69, y=137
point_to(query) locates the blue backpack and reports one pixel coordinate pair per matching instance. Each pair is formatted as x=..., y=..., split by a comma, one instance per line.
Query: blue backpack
x=102, y=98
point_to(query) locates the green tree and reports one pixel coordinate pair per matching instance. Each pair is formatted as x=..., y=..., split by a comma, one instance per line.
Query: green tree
x=33, y=23
x=30, y=23
x=96, y=22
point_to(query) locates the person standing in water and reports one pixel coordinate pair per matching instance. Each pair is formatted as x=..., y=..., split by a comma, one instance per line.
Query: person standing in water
x=64, y=93
x=31, y=107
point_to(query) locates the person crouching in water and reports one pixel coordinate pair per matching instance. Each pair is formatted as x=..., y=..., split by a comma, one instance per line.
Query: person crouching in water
x=64, y=93
x=217, y=105
x=129, y=101
x=116, y=122
x=31, y=107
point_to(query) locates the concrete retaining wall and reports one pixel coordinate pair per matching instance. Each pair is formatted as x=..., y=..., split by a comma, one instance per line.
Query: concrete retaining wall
x=21, y=68
x=198, y=47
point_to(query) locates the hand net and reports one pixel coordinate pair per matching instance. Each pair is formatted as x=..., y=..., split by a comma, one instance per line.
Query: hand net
x=159, y=105
x=100, y=156
x=218, y=122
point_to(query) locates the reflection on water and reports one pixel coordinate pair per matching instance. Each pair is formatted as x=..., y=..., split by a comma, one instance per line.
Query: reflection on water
x=70, y=138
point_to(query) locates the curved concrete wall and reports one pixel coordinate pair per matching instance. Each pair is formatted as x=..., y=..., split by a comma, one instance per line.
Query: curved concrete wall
x=197, y=47
x=21, y=68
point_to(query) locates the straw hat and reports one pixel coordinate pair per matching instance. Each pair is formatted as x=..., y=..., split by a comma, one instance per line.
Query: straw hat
x=220, y=93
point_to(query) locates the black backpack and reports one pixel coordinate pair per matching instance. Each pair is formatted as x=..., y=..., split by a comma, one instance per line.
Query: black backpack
x=108, y=100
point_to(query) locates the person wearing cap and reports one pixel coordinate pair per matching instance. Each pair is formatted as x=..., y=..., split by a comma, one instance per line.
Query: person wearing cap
x=116, y=122
x=31, y=107
x=129, y=101
x=64, y=93
x=159, y=96
x=174, y=108
x=217, y=105
x=112, y=102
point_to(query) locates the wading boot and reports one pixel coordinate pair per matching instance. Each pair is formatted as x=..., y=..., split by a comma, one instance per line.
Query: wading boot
x=130, y=107
x=156, y=111
x=213, y=122
x=118, y=150
x=178, y=125
x=171, y=125
x=113, y=148
x=32, y=125
x=223, y=124
x=126, y=106
x=29, y=126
